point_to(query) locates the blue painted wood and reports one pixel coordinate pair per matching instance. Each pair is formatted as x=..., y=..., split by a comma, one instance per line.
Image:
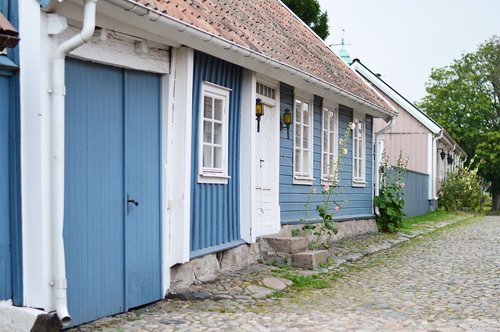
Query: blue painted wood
x=142, y=183
x=9, y=8
x=416, y=194
x=215, y=211
x=5, y=254
x=112, y=134
x=293, y=198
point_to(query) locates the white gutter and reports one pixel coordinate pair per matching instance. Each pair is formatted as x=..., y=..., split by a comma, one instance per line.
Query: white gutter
x=58, y=91
x=180, y=26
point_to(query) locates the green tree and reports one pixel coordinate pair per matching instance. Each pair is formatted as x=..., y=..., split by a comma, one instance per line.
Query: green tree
x=464, y=97
x=310, y=12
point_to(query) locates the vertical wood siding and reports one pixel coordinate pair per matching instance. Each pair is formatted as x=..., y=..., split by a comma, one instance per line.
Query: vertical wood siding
x=294, y=197
x=416, y=194
x=112, y=153
x=215, y=212
x=5, y=257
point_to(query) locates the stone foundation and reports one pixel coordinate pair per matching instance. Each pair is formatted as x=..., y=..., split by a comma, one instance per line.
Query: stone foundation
x=206, y=268
x=345, y=228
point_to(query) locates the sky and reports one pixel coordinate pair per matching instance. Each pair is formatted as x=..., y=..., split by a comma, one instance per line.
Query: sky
x=404, y=39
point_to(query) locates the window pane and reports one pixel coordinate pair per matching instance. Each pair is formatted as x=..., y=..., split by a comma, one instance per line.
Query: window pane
x=207, y=131
x=298, y=113
x=325, y=141
x=298, y=135
x=332, y=121
x=306, y=137
x=218, y=157
x=306, y=113
x=325, y=120
x=207, y=107
x=218, y=133
x=332, y=142
x=297, y=160
x=355, y=168
x=207, y=156
x=305, y=169
x=218, y=109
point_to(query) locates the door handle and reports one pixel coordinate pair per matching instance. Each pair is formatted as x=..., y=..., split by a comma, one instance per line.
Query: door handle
x=133, y=201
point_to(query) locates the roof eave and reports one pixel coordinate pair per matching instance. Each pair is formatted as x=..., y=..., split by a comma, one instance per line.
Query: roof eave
x=423, y=118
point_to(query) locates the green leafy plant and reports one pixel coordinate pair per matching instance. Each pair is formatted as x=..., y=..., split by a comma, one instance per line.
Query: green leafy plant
x=328, y=206
x=390, y=200
x=462, y=190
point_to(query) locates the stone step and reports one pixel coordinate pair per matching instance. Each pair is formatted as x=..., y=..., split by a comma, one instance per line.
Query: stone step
x=287, y=244
x=310, y=259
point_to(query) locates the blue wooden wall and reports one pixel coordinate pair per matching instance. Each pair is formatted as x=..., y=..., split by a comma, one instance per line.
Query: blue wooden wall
x=416, y=194
x=10, y=170
x=215, y=211
x=293, y=198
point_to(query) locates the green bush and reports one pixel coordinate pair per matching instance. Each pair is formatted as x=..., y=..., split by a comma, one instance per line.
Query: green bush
x=462, y=190
x=390, y=201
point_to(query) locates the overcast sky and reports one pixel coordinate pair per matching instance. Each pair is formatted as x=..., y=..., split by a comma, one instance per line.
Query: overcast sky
x=404, y=39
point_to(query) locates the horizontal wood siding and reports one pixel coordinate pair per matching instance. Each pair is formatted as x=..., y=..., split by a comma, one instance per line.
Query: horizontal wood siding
x=215, y=215
x=416, y=194
x=293, y=197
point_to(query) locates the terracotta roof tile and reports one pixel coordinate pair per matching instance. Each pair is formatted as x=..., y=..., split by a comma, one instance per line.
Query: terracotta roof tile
x=269, y=28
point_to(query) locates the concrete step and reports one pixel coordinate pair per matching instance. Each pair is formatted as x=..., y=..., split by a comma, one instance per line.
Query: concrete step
x=309, y=259
x=287, y=244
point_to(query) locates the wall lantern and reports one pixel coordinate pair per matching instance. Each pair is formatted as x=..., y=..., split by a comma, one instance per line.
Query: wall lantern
x=286, y=121
x=450, y=159
x=259, y=111
x=442, y=154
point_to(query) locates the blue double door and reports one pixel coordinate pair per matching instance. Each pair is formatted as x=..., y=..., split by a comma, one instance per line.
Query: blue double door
x=112, y=228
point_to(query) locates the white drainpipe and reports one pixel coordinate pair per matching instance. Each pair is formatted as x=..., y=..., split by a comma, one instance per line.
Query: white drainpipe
x=376, y=168
x=434, y=163
x=58, y=92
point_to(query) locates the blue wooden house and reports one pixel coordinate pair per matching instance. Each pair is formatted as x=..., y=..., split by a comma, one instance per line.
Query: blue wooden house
x=155, y=133
x=10, y=227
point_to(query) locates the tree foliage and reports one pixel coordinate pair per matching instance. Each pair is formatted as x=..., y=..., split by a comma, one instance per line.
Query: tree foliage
x=310, y=12
x=464, y=97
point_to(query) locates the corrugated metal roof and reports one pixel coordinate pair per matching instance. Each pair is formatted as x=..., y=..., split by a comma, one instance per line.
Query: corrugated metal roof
x=271, y=29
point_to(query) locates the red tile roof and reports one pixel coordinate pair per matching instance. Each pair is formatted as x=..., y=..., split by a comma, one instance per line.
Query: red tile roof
x=269, y=28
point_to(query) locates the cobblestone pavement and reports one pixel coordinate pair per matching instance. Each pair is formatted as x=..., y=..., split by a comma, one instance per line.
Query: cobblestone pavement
x=448, y=280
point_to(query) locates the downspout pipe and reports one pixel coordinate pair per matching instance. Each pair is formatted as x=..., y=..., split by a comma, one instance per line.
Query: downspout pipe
x=376, y=168
x=434, y=163
x=58, y=92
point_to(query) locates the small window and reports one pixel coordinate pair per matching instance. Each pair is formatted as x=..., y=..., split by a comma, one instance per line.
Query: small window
x=213, y=138
x=329, y=149
x=266, y=91
x=358, y=151
x=302, y=169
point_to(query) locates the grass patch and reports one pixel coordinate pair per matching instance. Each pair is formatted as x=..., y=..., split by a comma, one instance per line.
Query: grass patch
x=414, y=223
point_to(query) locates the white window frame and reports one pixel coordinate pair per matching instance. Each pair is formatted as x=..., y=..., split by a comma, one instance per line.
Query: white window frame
x=299, y=177
x=209, y=174
x=325, y=150
x=359, y=181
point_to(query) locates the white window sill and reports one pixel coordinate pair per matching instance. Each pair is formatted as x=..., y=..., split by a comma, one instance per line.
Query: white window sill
x=330, y=182
x=359, y=183
x=213, y=178
x=303, y=181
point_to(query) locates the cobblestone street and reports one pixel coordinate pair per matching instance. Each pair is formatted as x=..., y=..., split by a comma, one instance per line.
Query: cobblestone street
x=448, y=280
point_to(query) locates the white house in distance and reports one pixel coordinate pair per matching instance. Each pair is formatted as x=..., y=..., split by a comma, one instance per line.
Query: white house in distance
x=430, y=149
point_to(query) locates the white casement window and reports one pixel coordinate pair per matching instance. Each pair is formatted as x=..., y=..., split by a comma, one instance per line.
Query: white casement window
x=303, y=148
x=329, y=145
x=358, y=151
x=213, y=138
